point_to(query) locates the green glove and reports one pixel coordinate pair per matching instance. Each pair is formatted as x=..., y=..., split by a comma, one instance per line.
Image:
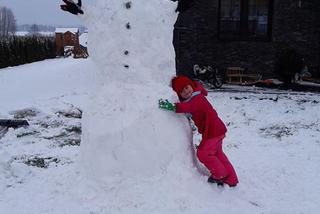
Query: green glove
x=165, y=104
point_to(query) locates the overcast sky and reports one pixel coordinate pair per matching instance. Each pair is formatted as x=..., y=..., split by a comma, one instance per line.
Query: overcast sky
x=45, y=12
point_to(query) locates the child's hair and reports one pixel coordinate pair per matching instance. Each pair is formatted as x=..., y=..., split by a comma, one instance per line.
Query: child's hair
x=179, y=82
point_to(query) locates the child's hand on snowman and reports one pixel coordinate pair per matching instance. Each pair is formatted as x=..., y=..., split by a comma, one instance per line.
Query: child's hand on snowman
x=165, y=104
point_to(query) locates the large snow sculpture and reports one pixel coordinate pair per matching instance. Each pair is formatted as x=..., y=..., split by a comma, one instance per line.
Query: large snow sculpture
x=133, y=40
x=125, y=135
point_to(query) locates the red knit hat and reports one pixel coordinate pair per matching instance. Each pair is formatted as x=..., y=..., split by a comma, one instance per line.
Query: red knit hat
x=179, y=82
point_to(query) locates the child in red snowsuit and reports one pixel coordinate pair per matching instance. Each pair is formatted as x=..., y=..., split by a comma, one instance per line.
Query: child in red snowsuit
x=193, y=101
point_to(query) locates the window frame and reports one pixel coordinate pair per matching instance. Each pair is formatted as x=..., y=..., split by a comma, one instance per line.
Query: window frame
x=243, y=34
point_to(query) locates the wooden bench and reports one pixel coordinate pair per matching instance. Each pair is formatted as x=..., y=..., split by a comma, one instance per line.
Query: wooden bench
x=237, y=75
x=234, y=73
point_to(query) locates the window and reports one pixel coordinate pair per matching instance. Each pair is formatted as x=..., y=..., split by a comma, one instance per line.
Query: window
x=245, y=19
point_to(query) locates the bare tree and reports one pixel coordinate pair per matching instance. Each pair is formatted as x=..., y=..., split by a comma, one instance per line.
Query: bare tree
x=34, y=29
x=7, y=22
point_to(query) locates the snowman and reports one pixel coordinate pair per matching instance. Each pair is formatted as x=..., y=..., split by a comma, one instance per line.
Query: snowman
x=125, y=135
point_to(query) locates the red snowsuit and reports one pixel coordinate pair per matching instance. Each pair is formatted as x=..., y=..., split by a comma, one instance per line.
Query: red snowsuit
x=213, y=131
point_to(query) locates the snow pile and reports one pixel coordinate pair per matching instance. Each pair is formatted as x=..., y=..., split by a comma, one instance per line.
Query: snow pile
x=125, y=135
x=273, y=142
x=4, y=166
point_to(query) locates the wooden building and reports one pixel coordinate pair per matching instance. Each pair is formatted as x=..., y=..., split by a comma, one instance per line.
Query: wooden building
x=67, y=39
x=247, y=33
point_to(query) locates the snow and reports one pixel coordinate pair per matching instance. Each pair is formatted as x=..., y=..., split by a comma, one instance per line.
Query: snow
x=135, y=68
x=64, y=30
x=26, y=33
x=147, y=36
x=134, y=157
x=273, y=142
x=83, y=39
x=309, y=83
x=50, y=78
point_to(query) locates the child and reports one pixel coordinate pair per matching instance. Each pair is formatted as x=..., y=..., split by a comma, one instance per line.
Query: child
x=193, y=101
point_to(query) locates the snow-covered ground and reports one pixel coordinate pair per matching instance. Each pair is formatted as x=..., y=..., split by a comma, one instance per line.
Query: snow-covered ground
x=273, y=141
x=26, y=33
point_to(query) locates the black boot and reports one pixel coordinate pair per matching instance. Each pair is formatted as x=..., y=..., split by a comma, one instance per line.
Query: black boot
x=212, y=180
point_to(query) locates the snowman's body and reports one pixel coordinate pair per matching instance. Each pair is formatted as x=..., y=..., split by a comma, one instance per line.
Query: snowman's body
x=125, y=135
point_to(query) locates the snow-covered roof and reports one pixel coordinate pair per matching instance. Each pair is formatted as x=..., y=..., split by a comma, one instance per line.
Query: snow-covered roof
x=64, y=30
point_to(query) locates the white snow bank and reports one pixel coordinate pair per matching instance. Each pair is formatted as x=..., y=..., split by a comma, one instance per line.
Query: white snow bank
x=29, y=83
x=272, y=141
x=4, y=166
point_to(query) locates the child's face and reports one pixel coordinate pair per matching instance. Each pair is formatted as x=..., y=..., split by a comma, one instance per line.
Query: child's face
x=186, y=92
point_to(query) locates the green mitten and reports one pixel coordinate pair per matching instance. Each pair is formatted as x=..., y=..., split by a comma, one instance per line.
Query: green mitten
x=165, y=104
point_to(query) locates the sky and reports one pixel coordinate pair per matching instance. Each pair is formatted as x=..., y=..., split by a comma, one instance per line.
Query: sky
x=45, y=12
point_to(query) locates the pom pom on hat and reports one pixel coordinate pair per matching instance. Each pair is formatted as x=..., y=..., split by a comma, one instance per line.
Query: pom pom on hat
x=179, y=82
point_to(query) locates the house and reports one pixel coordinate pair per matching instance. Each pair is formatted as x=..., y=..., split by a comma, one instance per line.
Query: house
x=67, y=39
x=248, y=34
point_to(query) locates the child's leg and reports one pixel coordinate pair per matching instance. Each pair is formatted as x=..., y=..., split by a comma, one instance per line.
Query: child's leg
x=232, y=179
x=207, y=154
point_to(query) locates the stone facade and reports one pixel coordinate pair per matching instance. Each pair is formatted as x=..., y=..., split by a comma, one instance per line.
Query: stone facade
x=295, y=24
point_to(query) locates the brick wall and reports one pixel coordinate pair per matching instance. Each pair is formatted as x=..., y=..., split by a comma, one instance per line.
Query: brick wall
x=67, y=39
x=294, y=24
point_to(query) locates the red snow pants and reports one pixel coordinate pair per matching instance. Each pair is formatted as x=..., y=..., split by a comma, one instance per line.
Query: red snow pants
x=211, y=155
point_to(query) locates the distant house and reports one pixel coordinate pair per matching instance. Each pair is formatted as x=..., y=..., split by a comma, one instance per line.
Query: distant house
x=67, y=41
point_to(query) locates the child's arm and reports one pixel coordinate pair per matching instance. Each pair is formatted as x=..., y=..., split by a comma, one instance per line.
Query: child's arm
x=199, y=87
x=183, y=107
